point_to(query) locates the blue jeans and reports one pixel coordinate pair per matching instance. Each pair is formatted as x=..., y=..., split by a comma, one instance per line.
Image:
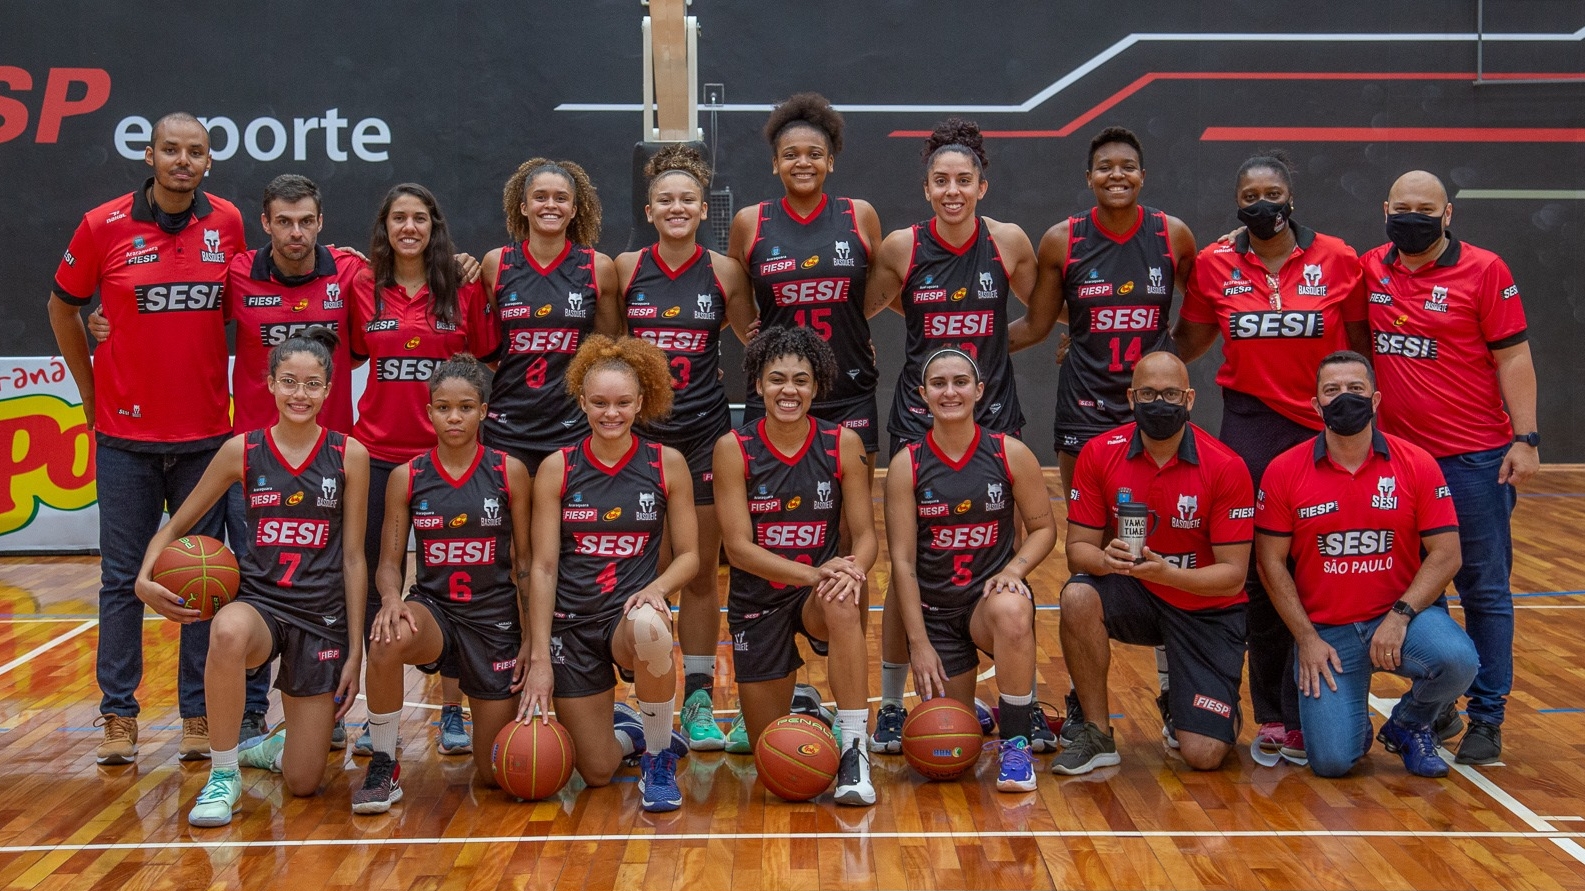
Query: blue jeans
x=237, y=539
x=135, y=489
x=1437, y=656
x=1484, y=508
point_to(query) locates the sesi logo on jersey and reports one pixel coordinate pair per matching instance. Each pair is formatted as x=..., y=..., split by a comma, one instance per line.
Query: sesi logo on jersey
x=179, y=296
x=1280, y=323
x=675, y=340
x=971, y=535
x=814, y=290
x=283, y=532
x=459, y=551
x=405, y=369
x=275, y=335
x=791, y=535
x=544, y=340
x=959, y=324
x=610, y=544
x=1125, y=318
x=1408, y=346
x=1355, y=542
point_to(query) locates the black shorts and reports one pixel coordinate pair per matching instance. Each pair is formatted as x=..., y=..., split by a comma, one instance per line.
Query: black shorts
x=310, y=663
x=1205, y=651
x=950, y=634
x=764, y=643
x=859, y=415
x=1071, y=439
x=531, y=458
x=698, y=449
x=581, y=660
x=481, y=661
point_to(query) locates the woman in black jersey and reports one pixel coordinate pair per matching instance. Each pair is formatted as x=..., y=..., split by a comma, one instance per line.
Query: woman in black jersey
x=302, y=580
x=958, y=573
x=467, y=508
x=597, y=594
x=679, y=296
x=783, y=485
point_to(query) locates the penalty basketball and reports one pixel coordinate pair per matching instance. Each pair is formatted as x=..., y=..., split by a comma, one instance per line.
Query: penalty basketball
x=942, y=739
x=533, y=760
x=200, y=570
x=797, y=757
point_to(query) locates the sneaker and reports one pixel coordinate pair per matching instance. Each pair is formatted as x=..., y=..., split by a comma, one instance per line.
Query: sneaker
x=1481, y=745
x=365, y=743
x=888, y=736
x=698, y=723
x=806, y=701
x=737, y=738
x=1017, y=770
x=1448, y=724
x=679, y=745
x=1072, y=718
x=1091, y=748
x=382, y=786
x=253, y=726
x=626, y=722
x=338, y=736
x=1271, y=736
x=1042, y=738
x=454, y=738
x=264, y=752
x=1293, y=748
x=195, y=740
x=986, y=715
x=1417, y=745
x=218, y=800
x=1168, y=732
x=657, y=783
x=853, y=777
x=121, y=739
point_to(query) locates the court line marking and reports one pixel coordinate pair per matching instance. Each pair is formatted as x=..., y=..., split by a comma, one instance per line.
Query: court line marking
x=52, y=644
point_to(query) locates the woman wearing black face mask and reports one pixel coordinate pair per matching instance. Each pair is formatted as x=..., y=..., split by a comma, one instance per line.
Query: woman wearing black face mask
x=1282, y=297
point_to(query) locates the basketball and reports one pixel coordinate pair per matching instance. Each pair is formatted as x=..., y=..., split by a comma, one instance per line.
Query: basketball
x=797, y=757
x=533, y=760
x=942, y=738
x=201, y=571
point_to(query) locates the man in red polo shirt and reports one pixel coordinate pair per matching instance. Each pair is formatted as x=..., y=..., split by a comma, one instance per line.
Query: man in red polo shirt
x=1186, y=591
x=155, y=398
x=1353, y=509
x=1453, y=355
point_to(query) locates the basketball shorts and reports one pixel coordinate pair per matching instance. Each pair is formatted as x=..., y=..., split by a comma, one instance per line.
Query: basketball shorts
x=482, y=660
x=310, y=662
x=764, y=642
x=581, y=661
x=950, y=635
x=698, y=449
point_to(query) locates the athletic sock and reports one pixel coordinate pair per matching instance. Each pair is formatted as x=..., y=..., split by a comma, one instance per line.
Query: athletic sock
x=657, y=724
x=855, y=724
x=1017, y=713
x=699, y=674
x=382, y=731
x=894, y=680
x=222, y=760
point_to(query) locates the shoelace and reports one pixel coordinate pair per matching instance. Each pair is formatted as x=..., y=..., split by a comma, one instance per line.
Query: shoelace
x=380, y=773
x=1015, y=755
x=116, y=727
x=215, y=789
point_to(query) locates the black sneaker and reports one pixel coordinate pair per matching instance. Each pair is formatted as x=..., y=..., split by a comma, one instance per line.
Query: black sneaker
x=382, y=786
x=1091, y=748
x=253, y=726
x=1042, y=739
x=1481, y=745
x=1073, y=718
x=1448, y=724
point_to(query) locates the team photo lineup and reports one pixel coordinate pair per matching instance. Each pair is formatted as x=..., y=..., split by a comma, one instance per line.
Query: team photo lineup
x=547, y=431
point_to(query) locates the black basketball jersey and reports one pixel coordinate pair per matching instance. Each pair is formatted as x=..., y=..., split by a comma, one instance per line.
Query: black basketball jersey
x=795, y=505
x=680, y=311
x=294, y=518
x=965, y=508
x=463, y=529
x=612, y=519
x=545, y=313
x=812, y=272
x=1118, y=290
x=956, y=297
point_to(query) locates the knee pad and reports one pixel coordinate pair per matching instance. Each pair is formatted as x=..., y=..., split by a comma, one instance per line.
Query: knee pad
x=651, y=640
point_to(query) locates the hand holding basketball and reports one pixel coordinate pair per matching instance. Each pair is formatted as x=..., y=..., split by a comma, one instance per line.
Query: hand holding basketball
x=191, y=579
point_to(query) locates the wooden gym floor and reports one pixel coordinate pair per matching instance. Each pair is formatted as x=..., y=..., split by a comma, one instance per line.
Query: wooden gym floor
x=66, y=823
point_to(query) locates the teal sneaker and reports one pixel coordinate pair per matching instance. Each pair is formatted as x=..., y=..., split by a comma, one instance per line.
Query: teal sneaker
x=218, y=800
x=737, y=738
x=264, y=752
x=698, y=723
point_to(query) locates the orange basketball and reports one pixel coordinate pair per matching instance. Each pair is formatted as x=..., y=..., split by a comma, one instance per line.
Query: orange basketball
x=532, y=760
x=797, y=757
x=942, y=738
x=201, y=571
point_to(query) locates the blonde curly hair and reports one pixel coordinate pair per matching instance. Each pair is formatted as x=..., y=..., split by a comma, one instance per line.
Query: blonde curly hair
x=633, y=355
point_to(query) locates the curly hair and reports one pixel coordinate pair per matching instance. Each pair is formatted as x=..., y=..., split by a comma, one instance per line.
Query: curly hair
x=318, y=341
x=634, y=355
x=803, y=343
x=1118, y=135
x=440, y=264
x=585, y=226
x=463, y=367
x=1275, y=160
x=678, y=157
x=810, y=110
x=957, y=135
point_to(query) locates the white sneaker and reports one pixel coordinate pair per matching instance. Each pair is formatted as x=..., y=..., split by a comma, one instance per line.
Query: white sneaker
x=853, y=776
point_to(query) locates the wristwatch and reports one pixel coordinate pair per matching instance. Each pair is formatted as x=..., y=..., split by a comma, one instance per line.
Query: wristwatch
x=1403, y=608
x=1531, y=439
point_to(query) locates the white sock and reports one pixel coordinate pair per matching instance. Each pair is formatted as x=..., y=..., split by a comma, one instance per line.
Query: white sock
x=855, y=724
x=894, y=680
x=382, y=731
x=657, y=724
x=1018, y=700
x=222, y=760
x=698, y=665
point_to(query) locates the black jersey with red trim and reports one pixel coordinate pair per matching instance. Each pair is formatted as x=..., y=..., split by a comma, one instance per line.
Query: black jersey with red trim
x=956, y=297
x=795, y=506
x=1118, y=291
x=545, y=313
x=612, y=519
x=294, y=515
x=680, y=310
x=463, y=531
x=965, y=512
x=811, y=271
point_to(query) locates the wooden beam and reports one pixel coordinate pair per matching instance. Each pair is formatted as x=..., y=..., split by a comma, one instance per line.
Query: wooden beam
x=669, y=41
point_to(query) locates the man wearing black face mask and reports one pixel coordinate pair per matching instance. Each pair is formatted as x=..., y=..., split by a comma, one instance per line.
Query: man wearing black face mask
x=1449, y=333
x=1352, y=509
x=1185, y=591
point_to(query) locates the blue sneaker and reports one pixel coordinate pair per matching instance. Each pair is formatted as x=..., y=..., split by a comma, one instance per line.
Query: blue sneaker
x=657, y=782
x=454, y=738
x=888, y=735
x=1042, y=738
x=264, y=752
x=679, y=745
x=986, y=715
x=629, y=729
x=1417, y=746
x=1017, y=769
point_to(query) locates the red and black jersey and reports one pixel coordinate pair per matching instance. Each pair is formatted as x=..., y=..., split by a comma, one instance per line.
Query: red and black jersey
x=1118, y=291
x=463, y=530
x=956, y=296
x=1276, y=328
x=1434, y=332
x=811, y=271
x=162, y=377
x=404, y=343
x=681, y=310
x=294, y=518
x=795, y=505
x=966, y=530
x=612, y=519
x=545, y=313
x=1354, y=536
x=1200, y=498
x=270, y=308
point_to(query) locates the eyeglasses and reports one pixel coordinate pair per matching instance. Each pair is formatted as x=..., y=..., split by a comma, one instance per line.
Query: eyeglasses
x=1172, y=395
x=292, y=385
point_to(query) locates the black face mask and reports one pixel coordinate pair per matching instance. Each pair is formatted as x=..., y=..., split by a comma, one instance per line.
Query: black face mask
x=1413, y=233
x=1347, y=413
x=1265, y=219
x=1160, y=419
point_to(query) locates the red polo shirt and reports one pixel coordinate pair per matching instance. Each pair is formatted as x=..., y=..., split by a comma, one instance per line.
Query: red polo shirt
x=1201, y=498
x=1354, y=537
